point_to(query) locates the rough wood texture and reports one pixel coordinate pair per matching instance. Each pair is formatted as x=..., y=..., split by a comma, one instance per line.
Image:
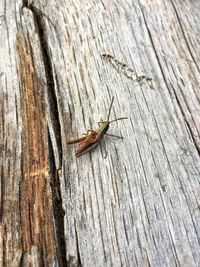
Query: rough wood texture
x=60, y=64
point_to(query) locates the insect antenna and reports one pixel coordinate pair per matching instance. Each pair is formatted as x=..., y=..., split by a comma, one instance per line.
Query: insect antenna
x=110, y=108
x=122, y=118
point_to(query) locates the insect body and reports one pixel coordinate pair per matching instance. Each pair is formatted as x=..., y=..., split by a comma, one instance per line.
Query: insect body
x=92, y=138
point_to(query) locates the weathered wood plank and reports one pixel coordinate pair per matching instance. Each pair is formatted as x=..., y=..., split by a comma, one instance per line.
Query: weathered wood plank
x=27, y=219
x=138, y=206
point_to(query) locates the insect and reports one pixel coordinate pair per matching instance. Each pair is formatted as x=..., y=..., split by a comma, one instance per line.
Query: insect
x=92, y=138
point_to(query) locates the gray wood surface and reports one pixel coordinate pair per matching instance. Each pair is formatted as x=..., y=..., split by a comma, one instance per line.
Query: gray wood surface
x=61, y=62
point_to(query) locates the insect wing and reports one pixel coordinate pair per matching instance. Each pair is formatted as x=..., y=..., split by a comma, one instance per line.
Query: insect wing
x=85, y=148
x=89, y=143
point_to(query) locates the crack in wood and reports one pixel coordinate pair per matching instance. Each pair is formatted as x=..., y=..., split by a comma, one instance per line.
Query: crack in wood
x=54, y=115
x=78, y=260
x=52, y=97
x=191, y=132
x=57, y=205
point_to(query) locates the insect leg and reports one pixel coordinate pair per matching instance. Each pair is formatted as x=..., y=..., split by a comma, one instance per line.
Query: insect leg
x=113, y=135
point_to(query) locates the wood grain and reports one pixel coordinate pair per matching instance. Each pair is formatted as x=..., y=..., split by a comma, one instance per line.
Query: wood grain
x=139, y=206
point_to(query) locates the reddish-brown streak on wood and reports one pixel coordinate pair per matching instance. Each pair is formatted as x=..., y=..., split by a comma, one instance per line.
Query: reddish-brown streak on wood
x=36, y=203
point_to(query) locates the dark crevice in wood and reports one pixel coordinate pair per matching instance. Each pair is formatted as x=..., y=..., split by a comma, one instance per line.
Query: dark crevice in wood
x=4, y=254
x=187, y=123
x=193, y=138
x=30, y=223
x=125, y=229
x=2, y=192
x=52, y=98
x=25, y=3
x=78, y=262
x=21, y=260
x=42, y=257
x=57, y=206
